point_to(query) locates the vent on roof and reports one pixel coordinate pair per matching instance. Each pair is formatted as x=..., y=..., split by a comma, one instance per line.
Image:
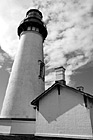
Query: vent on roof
x=80, y=88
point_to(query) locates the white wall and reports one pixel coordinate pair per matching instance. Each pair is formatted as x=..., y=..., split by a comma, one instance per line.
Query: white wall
x=63, y=114
x=24, y=84
x=17, y=127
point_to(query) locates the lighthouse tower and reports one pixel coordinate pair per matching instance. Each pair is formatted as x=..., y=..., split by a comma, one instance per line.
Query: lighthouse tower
x=27, y=77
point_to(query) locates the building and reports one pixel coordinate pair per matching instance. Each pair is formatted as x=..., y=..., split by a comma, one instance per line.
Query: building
x=63, y=111
x=30, y=112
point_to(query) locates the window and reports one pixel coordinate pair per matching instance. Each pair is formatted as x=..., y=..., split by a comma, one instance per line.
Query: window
x=29, y=29
x=42, y=70
x=37, y=29
x=33, y=28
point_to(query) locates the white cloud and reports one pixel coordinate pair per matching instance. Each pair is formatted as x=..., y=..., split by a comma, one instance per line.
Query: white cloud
x=70, y=33
x=70, y=37
x=5, y=60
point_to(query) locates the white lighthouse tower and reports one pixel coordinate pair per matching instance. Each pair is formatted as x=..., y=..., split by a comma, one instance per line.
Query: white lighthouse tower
x=27, y=77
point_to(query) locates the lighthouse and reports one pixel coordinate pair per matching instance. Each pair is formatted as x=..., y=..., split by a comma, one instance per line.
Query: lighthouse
x=27, y=77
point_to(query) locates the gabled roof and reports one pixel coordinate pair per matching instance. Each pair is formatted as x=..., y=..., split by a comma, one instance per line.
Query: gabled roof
x=58, y=83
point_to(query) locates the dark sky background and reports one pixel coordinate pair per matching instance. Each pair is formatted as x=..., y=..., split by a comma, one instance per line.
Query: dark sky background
x=84, y=77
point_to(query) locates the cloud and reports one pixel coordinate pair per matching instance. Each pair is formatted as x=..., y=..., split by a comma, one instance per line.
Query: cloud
x=70, y=38
x=5, y=61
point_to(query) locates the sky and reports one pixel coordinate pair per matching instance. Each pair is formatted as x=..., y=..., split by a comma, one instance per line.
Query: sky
x=69, y=42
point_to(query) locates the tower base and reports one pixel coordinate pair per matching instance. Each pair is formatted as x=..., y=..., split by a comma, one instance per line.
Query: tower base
x=14, y=126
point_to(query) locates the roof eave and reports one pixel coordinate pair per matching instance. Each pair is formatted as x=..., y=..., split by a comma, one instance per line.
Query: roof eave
x=35, y=101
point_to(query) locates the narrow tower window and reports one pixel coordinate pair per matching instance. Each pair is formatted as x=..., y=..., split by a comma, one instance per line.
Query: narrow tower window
x=37, y=29
x=42, y=70
x=29, y=28
x=33, y=28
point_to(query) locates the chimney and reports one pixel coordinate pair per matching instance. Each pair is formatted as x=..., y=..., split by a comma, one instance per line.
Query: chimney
x=60, y=75
x=80, y=88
